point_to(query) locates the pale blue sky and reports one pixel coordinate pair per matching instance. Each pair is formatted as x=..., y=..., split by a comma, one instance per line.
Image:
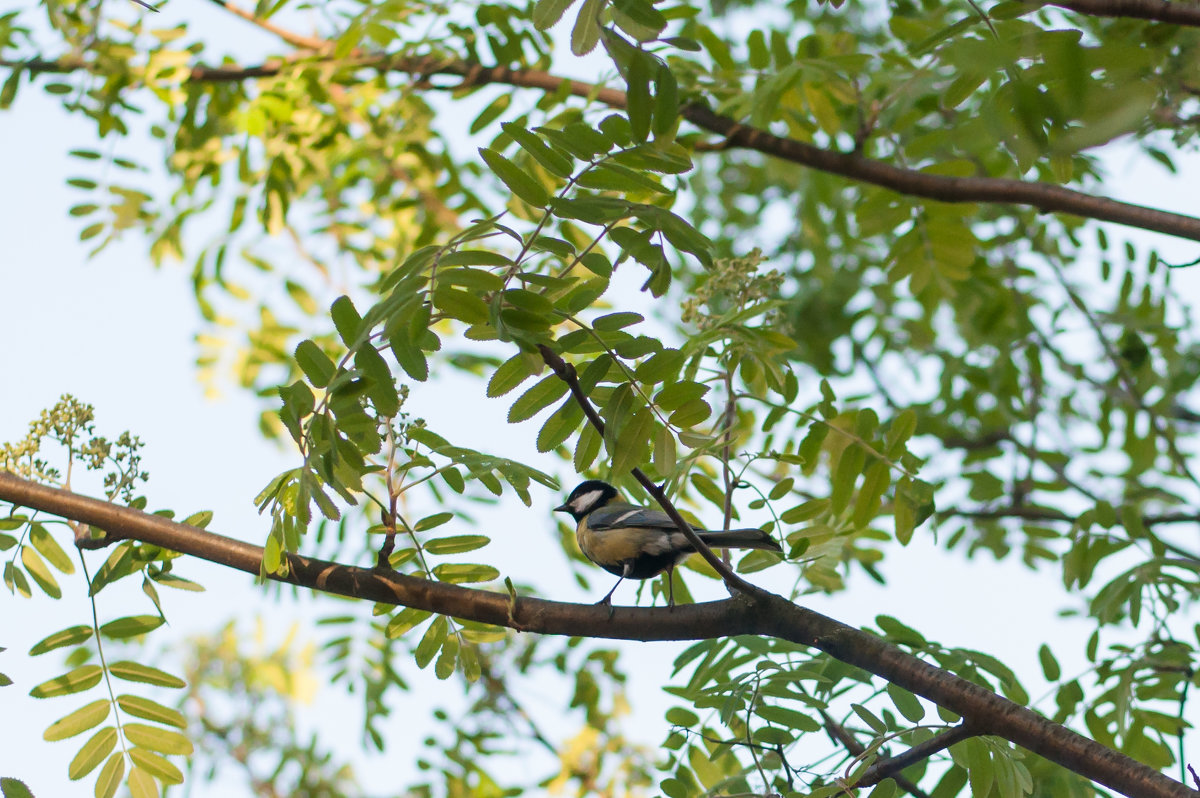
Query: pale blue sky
x=118, y=334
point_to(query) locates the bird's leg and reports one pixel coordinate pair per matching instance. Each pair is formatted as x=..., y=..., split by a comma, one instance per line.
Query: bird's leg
x=607, y=600
x=670, y=587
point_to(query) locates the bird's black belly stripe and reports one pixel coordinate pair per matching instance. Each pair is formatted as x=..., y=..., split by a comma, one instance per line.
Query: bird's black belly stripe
x=645, y=566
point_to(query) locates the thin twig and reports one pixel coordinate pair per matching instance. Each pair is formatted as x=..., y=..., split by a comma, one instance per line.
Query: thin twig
x=840, y=734
x=566, y=372
x=891, y=768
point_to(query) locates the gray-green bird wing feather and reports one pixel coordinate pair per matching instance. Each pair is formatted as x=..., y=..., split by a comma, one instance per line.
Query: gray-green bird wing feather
x=616, y=516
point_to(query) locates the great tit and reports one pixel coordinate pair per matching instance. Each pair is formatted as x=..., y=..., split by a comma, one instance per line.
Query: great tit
x=639, y=542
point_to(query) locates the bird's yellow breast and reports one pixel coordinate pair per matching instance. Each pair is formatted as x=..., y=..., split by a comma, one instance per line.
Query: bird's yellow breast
x=614, y=546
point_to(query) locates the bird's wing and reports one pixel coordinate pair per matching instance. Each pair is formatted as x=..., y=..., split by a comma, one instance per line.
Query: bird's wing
x=617, y=516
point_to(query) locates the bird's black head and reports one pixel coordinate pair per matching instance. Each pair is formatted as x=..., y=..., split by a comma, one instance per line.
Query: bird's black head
x=587, y=497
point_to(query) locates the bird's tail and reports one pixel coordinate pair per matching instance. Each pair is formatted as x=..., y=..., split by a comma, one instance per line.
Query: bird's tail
x=741, y=539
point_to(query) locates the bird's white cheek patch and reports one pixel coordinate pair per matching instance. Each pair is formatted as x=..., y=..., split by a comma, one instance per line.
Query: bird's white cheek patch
x=581, y=503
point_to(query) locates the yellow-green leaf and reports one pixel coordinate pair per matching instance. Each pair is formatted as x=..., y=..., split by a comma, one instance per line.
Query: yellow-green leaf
x=456, y=544
x=71, y=636
x=136, y=672
x=456, y=573
x=141, y=784
x=158, y=739
x=516, y=179
x=146, y=709
x=40, y=572
x=110, y=776
x=156, y=765
x=86, y=717
x=93, y=752
x=48, y=547
x=76, y=681
x=131, y=626
x=432, y=640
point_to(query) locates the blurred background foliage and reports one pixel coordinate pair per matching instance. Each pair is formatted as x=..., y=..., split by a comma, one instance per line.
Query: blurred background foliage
x=391, y=192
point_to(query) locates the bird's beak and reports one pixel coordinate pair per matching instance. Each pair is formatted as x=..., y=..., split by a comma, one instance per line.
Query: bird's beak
x=564, y=508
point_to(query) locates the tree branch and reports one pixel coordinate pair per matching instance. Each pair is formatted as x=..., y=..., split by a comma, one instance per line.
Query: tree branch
x=839, y=733
x=757, y=613
x=1175, y=13
x=1045, y=197
x=890, y=768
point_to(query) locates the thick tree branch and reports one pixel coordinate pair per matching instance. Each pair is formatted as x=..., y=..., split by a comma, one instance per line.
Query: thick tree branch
x=760, y=613
x=1045, y=197
x=1170, y=11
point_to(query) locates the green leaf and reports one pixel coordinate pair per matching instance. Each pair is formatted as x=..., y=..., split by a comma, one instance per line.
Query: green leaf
x=9, y=91
x=846, y=475
x=444, y=667
x=908, y=704
x=48, y=547
x=691, y=413
x=490, y=114
x=381, y=389
x=136, y=672
x=93, y=752
x=637, y=96
x=141, y=784
x=131, y=626
x=456, y=544
x=586, y=33
x=433, y=521
x=587, y=448
x=432, y=640
x=147, y=709
x=346, y=320
x=559, y=426
x=616, y=321
x=71, y=636
x=867, y=717
x=517, y=181
x=554, y=161
x=408, y=618
x=462, y=305
x=82, y=678
x=666, y=456
x=158, y=739
x=155, y=765
x=639, y=18
x=660, y=367
x=315, y=364
x=547, y=13
x=902, y=428
x=666, y=101
x=83, y=719
x=110, y=776
x=788, y=717
x=1050, y=667
x=40, y=572
x=410, y=357
x=510, y=374
x=457, y=573
x=14, y=579
x=547, y=391
x=632, y=442
x=876, y=479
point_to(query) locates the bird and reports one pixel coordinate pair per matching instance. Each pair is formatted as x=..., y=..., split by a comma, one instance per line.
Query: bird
x=635, y=542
